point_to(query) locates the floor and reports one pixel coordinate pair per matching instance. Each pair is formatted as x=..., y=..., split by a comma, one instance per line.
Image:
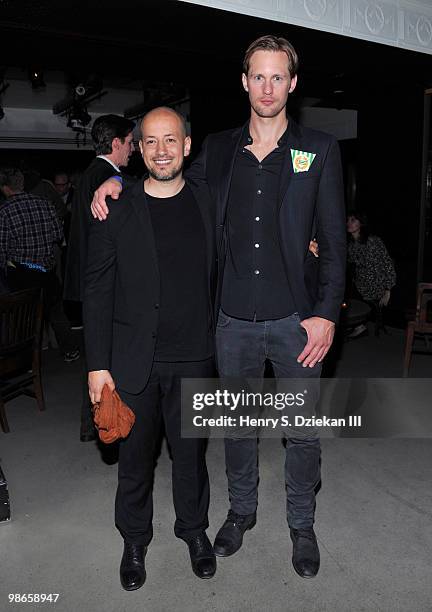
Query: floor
x=373, y=519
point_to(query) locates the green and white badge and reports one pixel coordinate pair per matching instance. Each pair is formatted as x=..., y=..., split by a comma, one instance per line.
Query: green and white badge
x=301, y=160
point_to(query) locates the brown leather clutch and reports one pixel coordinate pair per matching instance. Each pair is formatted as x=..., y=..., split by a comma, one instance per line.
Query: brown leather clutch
x=113, y=418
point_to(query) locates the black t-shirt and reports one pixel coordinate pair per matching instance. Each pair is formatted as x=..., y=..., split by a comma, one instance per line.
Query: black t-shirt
x=184, y=331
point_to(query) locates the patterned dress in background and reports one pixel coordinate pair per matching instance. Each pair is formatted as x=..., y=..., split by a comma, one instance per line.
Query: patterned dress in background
x=374, y=271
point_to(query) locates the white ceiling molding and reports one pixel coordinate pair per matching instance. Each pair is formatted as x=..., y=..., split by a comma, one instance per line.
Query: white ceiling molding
x=399, y=23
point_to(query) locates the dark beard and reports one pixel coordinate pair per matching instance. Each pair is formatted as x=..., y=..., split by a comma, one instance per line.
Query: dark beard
x=166, y=177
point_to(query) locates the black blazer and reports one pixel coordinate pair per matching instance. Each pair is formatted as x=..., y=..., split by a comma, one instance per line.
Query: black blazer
x=122, y=287
x=81, y=218
x=310, y=204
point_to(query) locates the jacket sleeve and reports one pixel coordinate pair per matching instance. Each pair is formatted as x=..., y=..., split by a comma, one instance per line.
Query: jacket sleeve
x=98, y=304
x=383, y=262
x=331, y=234
x=198, y=168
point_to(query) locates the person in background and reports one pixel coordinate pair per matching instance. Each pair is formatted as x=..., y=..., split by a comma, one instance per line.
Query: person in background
x=63, y=186
x=374, y=274
x=65, y=190
x=113, y=143
x=38, y=186
x=30, y=230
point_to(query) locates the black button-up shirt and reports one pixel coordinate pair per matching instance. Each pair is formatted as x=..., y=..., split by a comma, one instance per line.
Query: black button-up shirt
x=255, y=285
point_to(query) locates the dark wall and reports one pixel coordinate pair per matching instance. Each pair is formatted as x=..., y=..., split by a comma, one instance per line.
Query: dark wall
x=46, y=162
x=390, y=136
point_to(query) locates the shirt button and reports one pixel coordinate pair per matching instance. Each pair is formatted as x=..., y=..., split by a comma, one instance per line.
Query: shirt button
x=260, y=167
x=256, y=245
x=156, y=306
x=257, y=218
x=256, y=271
x=259, y=192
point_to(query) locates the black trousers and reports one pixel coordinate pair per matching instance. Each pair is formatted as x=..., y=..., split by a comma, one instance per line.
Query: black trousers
x=21, y=277
x=161, y=400
x=87, y=424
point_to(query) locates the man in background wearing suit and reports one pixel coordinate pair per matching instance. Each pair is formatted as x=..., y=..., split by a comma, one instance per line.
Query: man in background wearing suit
x=148, y=322
x=63, y=186
x=113, y=143
x=275, y=186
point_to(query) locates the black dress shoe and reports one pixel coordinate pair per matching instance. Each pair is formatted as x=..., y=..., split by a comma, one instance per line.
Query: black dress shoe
x=202, y=556
x=132, y=567
x=230, y=536
x=306, y=556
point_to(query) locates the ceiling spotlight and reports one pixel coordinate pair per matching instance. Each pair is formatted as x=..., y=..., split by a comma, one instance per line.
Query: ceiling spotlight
x=80, y=90
x=36, y=78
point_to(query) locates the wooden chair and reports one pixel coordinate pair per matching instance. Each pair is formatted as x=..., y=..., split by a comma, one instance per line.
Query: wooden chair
x=20, y=345
x=422, y=324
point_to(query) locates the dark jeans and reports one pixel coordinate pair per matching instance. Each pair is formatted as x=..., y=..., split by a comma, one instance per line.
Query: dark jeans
x=242, y=348
x=22, y=277
x=161, y=400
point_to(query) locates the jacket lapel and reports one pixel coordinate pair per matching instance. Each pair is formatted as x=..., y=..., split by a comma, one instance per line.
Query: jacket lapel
x=293, y=142
x=140, y=206
x=227, y=171
x=205, y=205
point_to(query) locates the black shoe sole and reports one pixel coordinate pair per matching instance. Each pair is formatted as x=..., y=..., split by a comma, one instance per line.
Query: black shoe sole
x=302, y=575
x=222, y=555
x=134, y=588
x=203, y=577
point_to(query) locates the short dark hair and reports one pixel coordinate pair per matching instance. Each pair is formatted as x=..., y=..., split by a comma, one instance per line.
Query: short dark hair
x=12, y=178
x=106, y=128
x=272, y=43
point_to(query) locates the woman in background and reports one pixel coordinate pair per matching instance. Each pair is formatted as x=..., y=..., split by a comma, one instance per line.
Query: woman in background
x=374, y=274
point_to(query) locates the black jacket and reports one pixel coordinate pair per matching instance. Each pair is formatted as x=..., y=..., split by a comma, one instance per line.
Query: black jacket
x=81, y=219
x=122, y=287
x=311, y=204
